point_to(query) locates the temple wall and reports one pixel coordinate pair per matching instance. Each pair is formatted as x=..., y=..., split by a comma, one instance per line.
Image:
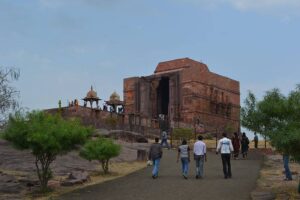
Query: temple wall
x=198, y=97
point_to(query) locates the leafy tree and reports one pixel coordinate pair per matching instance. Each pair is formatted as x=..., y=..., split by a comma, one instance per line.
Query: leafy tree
x=47, y=136
x=252, y=119
x=277, y=117
x=101, y=149
x=8, y=94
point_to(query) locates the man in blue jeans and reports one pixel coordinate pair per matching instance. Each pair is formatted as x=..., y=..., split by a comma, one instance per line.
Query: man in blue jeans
x=288, y=174
x=164, y=139
x=199, y=156
x=155, y=154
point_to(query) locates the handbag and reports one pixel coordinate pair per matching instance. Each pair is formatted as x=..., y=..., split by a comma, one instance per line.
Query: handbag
x=149, y=162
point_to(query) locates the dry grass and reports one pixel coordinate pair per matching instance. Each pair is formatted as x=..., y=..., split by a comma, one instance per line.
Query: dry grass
x=272, y=175
x=14, y=173
x=117, y=170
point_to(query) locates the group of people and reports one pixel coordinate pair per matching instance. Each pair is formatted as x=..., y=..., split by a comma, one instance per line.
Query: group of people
x=224, y=146
x=155, y=154
x=241, y=143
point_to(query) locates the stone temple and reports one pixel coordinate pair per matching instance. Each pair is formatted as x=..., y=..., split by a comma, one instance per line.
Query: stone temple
x=183, y=93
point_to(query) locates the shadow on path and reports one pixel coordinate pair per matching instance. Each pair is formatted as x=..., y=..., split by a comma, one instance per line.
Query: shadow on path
x=171, y=185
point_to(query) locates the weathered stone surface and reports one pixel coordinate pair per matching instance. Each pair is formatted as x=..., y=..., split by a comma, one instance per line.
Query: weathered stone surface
x=128, y=136
x=101, y=133
x=187, y=93
x=76, y=177
x=22, y=163
x=29, y=181
x=82, y=175
x=71, y=182
x=7, y=178
x=262, y=195
x=142, y=140
x=283, y=196
x=141, y=155
x=17, y=160
x=11, y=197
x=10, y=187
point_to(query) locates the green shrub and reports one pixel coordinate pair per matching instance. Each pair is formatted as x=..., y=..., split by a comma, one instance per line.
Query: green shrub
x=101, y=149
x=47, y=136
x=180, y=133
x=208, y=136
x=111, y=121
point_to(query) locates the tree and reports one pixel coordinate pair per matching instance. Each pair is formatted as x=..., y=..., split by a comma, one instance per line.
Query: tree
x=101, y=149
x=251, y=118
x=8, y=94
x=47, y=136
x=277, y=117
x=182, y=133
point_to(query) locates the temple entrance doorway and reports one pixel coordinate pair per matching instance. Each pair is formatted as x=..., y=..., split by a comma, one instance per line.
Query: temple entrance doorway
x=163, y=96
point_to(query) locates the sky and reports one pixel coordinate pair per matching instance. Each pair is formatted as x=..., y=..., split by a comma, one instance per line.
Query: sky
x=62, y=47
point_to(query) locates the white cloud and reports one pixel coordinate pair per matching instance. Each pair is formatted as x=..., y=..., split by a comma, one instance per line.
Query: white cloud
x=280, y=7
x=264, y=4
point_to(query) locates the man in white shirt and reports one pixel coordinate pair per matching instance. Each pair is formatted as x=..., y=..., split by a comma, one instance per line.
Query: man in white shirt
x=225, y=147
x=199, y=156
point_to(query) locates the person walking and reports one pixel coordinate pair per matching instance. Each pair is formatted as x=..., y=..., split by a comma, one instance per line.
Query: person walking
x=164, y=139
x=236, y=145
x=255, y=140
x=184, y=154
x=199, y=156
x=155, y=154
x=287, y=171
x=225, y=147
x=245, y=145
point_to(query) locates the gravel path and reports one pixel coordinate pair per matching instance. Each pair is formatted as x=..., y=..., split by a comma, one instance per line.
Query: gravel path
x=171, y=185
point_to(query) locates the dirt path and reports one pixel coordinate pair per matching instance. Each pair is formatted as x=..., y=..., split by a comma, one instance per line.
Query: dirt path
x=171, y=185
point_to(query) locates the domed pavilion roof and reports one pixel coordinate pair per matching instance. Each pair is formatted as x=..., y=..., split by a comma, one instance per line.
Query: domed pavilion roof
x=91, y=95
x=114, y=99
x=114, y=96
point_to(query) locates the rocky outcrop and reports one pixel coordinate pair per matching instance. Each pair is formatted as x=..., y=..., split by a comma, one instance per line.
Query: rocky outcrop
x=76, y=177
x=128, y=136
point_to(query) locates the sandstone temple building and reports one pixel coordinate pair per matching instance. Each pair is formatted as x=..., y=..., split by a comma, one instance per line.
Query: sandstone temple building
x=182, y=93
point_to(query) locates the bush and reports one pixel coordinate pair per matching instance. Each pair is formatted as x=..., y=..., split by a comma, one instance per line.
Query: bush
x=208, y=136
x=180, y=133
x=47, y=136
x=111, y=121
x=101, y=149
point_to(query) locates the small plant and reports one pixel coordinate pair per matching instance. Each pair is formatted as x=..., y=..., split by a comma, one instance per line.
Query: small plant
x=101, y=149
x=180, y=133
x=229, y=129
x=111, y=121
x=208, y=136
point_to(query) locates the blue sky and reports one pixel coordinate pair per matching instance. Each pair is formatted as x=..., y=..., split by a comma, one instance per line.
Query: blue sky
x=62, y=47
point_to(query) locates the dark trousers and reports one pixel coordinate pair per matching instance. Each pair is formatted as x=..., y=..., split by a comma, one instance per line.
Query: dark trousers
x=226, y=164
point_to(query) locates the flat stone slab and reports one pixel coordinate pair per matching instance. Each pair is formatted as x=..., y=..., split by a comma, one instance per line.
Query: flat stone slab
x=76, y=177
x=10, y=187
